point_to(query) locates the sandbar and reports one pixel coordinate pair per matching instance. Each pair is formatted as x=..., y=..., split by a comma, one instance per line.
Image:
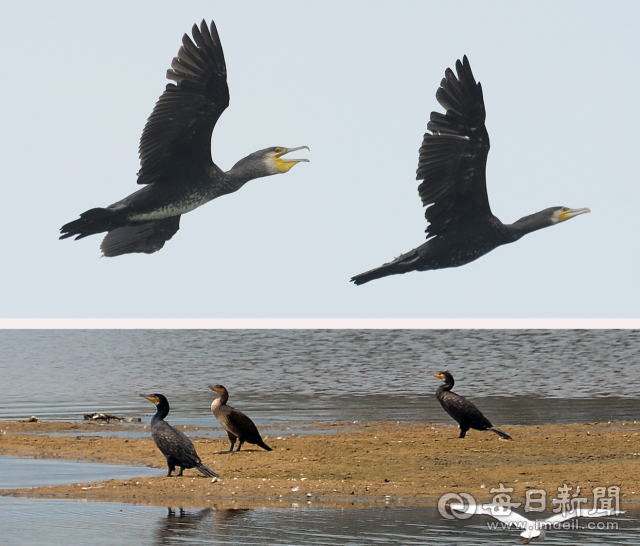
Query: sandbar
x=345, y=464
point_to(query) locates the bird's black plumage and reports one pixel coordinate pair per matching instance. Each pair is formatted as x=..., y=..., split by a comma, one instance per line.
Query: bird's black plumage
x=452, y=167
x=238, y=425
x=173, y=444
x=176, y=168
x=464, y=412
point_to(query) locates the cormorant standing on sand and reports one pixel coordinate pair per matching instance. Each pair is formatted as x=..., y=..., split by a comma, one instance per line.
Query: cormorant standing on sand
x=174, y=445
x=463, y=411
x=237, y=424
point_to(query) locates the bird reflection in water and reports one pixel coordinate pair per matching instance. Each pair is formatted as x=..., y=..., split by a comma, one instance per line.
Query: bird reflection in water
x=193, y=525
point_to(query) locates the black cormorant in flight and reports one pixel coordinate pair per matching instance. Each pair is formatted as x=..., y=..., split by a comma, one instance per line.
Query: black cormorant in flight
x=463, y=411
x=174, y=445
x=237, y=424
x=452, y=167
x=175, y=156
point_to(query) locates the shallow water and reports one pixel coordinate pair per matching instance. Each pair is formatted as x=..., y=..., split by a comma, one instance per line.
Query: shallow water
x=276, y=376
x=19, y=472
x=32, y=522
x=516, y=377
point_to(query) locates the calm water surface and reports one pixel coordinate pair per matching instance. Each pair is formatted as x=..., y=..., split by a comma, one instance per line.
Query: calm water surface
x=516, y=377
x=20, y=472
x=31, y=522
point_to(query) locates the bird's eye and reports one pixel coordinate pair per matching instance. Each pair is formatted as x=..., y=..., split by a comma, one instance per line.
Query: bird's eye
x=279, y=150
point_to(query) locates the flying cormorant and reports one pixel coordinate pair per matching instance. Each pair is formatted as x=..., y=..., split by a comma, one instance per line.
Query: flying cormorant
x=175, y=156
x=237, y=424
x=463, y=411
x=174, y=445
x=452, y=167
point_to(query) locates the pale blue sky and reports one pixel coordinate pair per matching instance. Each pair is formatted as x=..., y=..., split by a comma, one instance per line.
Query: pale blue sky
x=355, y=81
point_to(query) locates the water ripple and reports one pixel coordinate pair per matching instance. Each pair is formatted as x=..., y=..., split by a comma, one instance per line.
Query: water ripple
x=279, y=375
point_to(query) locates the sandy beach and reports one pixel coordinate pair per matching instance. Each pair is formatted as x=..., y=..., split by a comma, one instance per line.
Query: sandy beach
x=345, y=464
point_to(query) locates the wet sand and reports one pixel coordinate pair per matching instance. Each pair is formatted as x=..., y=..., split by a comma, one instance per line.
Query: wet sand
x=347, y=464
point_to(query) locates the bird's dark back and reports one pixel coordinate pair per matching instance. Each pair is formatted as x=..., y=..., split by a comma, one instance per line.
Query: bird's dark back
x=461, y=409
x=249, y=430
x=174, y=443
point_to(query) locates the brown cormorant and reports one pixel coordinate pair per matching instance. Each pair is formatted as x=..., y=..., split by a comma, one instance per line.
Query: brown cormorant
x=463, y=411
x=452, y=167
x=237, y=424
x=174, y=445
x=175, y=156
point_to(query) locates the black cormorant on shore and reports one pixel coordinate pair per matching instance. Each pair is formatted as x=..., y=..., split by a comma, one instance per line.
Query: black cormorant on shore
x=452, y=167
x=175, y=156
x=237, y=424
x=174, y=445
x=463, y=411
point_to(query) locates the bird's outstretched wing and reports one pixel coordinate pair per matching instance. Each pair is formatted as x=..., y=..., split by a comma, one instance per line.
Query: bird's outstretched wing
x=453, y=156
x=148, y=238
x=178, y=131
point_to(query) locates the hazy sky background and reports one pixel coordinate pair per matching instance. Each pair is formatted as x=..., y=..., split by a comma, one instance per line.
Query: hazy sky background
x=355, y=81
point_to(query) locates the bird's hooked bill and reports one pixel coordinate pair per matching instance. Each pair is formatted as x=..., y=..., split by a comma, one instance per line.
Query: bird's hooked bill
x=288, y=150
x=567, y=213
x=284, y=164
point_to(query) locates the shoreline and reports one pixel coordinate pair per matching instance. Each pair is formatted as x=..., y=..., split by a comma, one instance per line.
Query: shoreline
x=353, y=464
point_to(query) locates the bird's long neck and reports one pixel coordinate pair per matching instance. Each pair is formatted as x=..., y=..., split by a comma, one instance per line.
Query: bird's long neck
x=530, y=223
x=163, y=411
x=246, y=169
x=446, y=386
x=223, y=398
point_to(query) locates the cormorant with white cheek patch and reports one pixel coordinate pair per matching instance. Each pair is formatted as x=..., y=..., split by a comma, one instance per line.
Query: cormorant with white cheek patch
x=176, y=168
x=452, y=167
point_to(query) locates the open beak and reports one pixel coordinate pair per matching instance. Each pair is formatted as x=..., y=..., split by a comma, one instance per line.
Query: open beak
x=285, y=164
x=570, y=213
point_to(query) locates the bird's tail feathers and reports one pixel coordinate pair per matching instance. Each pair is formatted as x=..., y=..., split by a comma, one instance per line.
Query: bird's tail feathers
x=372, y=275
x=207, y=471
x=500, y=433
x=91, y=222
x=402, y=264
